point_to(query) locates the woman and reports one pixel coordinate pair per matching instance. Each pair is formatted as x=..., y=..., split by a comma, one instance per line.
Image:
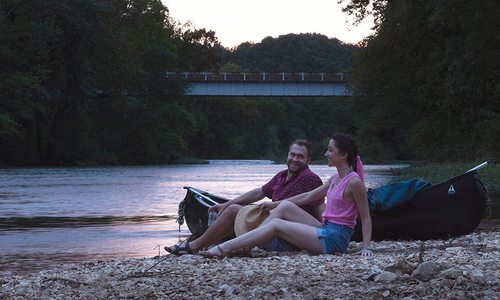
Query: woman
x=346, y=198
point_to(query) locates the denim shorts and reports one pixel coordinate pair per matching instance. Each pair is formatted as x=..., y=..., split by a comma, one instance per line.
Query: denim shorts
x=334, y=238
x=278, y=245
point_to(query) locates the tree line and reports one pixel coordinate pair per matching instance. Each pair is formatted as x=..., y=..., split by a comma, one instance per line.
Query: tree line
x=428, y=81
x=82, y=82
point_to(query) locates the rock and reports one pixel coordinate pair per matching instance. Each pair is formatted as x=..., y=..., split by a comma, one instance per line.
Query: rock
x=449, y=283
x=369, y=275
x=490, y=294
x=454, y=250
x=451, y=273
x=468, y=274
x=476, y=276
x=385, y=277
x=401, y=267
x=460, y=280
x=425, y=271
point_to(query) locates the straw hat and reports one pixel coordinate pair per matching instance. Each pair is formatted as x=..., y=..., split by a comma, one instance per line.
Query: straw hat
x=249, y=217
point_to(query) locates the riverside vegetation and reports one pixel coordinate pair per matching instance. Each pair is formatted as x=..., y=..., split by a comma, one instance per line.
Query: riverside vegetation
x=82, y=83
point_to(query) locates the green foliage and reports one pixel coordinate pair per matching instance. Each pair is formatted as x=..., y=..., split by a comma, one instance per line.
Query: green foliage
x=83, y=81
x=292, y=53
x=427, y=81
x=197, y=49
x=264, y=127
x=231, y=68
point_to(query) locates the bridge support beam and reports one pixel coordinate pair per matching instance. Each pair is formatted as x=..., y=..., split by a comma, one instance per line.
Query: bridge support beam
x=277, y=89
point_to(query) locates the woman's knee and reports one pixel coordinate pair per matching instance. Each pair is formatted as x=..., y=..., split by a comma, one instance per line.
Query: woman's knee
x=276, y=225
x=287, y=206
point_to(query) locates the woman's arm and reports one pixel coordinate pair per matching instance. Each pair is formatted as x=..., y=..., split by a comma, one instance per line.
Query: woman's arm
x=313, y=196
x=359, y=193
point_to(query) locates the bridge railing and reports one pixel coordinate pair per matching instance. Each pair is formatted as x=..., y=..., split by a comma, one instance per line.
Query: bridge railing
x=258, y=77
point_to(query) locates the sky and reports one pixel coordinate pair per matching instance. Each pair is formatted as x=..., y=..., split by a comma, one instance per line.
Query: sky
x=239, y=21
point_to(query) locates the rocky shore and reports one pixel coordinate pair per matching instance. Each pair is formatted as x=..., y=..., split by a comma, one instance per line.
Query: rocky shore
x=466, y=267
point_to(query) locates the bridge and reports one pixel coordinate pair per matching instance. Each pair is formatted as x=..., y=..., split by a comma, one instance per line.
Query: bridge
x=264, y=84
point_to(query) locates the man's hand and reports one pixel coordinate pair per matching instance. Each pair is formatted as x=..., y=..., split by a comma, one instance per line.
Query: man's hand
x=219, y=208
x=268, y=205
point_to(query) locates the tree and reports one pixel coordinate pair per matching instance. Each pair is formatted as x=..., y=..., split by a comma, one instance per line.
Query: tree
x=292, y=53
x=29, y=37
x=426, y=79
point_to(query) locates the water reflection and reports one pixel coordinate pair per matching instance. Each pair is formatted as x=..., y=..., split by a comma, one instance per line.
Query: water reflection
x=54, y=215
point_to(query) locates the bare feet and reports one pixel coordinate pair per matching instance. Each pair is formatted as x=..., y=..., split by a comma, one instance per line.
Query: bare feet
x=214, y=252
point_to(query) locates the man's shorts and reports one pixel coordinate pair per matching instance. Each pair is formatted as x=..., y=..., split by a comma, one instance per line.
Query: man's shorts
x=278, y=245
x=334, y=238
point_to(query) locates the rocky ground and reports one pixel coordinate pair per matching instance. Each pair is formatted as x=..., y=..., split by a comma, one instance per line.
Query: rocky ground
x=466, y=267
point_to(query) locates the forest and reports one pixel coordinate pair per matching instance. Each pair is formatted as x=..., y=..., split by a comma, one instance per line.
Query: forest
x=82, y=82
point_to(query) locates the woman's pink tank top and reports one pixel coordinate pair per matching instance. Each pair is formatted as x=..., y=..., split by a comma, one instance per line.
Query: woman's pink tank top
x=339, y=211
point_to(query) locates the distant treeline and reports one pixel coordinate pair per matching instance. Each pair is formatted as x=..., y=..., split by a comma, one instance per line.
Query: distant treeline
x=312, y=53
x=83, y=82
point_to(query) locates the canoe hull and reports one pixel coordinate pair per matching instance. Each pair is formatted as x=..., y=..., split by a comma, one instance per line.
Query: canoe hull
x=196, y=209
x=452, y=208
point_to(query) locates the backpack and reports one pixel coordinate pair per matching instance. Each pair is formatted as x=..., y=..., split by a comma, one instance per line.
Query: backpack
x=395, y=194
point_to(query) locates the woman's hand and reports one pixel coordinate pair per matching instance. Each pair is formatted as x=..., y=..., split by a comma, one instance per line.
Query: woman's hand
x=268, y=205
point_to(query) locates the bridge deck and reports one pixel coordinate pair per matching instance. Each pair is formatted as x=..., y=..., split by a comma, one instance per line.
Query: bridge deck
x=264, y=84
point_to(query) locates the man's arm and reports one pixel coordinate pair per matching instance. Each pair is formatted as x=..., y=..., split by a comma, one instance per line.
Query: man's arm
x=247, y=198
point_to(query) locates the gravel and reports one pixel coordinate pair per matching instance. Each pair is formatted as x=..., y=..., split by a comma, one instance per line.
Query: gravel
x=465, y=267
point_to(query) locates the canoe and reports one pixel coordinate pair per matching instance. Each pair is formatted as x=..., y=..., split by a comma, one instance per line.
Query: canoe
x=452, y=208
x=194, y=210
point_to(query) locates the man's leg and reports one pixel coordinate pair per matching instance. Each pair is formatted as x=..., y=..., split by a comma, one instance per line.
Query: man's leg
x=221, y=228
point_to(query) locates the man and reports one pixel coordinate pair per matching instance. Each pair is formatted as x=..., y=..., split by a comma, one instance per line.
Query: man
x=296, y=179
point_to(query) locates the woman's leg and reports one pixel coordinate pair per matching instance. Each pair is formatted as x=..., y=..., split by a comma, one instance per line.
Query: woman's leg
x=288, y=211
x=301, y=235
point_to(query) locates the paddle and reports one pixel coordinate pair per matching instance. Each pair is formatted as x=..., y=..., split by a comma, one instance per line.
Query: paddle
x=480, y=166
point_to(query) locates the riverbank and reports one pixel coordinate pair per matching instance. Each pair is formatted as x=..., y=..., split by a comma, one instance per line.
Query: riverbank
x=458, y=268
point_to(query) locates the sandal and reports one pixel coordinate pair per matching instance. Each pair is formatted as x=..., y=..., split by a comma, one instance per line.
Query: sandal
x=181, y=249
x=221, y=254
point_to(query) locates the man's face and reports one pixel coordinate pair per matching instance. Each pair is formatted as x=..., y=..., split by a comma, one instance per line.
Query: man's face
x=298, y=158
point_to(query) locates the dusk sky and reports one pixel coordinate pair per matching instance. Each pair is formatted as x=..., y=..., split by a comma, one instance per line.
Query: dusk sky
x=236, y=21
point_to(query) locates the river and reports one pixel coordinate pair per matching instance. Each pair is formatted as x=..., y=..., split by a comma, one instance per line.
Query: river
x=50, y=216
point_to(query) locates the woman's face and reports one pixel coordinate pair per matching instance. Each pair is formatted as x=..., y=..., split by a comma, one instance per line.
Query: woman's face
x=333, y=155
